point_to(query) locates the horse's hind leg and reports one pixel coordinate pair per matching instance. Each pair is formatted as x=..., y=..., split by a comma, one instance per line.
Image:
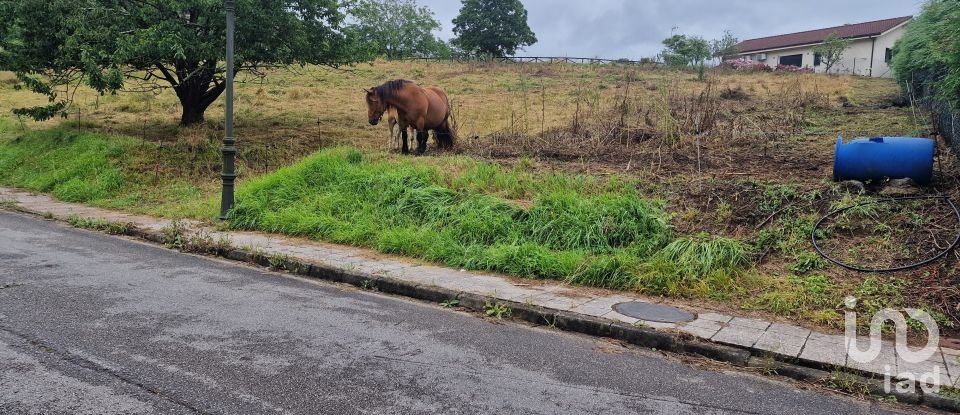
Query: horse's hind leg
x=405, y=149
x=422, y=137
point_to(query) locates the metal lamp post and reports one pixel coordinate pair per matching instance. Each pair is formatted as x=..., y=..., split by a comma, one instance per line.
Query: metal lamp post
x=229, y=150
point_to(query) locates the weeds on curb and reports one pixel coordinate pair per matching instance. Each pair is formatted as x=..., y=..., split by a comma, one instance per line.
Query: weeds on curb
x=496, y=310
x=451, y=303
x=202, y=242
x=110, y=227
x=849, y=383
x=177, y=236
x=279, y=262
x=768, y=365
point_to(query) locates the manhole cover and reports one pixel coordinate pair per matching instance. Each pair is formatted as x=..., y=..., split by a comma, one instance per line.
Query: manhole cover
x=654, y=312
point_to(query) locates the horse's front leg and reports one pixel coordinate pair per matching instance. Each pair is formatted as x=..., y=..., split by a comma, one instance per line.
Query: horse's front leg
x=422, y=137
x=404, y=149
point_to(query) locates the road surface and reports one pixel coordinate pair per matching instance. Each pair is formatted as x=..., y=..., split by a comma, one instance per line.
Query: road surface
x=92, y=324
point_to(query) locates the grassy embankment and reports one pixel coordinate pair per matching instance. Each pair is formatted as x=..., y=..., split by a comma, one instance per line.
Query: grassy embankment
x=640, y=224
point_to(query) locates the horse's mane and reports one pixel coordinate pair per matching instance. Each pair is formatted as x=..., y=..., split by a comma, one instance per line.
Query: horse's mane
x=390, y=87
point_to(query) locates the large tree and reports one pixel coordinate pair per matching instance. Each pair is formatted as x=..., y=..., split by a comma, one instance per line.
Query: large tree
x=683, y=50
x=492, y=27
x=398, y=28
x=831, y=51
x=724, y=47
x=56, y=45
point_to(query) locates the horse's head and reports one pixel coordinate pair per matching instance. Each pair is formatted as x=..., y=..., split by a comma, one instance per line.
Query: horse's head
x=375, y=106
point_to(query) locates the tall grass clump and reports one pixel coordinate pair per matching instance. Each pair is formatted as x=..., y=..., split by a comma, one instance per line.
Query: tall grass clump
x=595, y=238
x=74, y=167
x=699, y=265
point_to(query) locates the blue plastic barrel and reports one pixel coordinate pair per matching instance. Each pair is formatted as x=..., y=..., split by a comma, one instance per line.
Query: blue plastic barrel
x=884, y=158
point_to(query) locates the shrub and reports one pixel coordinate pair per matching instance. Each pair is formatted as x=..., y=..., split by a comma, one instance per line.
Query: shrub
x=747, y=65
x=793, y=69
x=928, y=55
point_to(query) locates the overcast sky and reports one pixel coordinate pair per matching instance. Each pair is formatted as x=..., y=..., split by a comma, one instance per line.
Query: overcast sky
x=634, y=28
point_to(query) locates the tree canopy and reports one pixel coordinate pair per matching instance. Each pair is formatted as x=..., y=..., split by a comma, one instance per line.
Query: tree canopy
x=725, y=46
x=683, y=50
x=399, y=28
x=831, y=50
x=56, y=45
x=492, y=27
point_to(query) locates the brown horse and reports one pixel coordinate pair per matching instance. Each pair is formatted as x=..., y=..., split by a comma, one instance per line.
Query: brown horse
x=424, y=109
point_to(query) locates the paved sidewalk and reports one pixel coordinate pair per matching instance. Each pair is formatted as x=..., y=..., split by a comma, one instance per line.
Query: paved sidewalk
x=788, y=342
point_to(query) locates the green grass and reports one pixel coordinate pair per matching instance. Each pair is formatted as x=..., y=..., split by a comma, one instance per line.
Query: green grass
x=574, y=229
x=110, y=227
x=74, y=167
x=105, y=171
x=696, y=266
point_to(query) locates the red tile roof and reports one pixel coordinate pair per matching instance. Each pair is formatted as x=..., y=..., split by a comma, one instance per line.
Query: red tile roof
x=816, y=36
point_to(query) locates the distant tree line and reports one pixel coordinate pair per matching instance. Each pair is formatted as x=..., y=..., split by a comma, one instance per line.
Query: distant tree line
x=56, y=46
x=683, y=50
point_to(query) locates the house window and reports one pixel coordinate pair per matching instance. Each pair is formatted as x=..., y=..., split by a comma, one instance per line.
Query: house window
x=792, y=60
x=888, y=55
x=817, y=59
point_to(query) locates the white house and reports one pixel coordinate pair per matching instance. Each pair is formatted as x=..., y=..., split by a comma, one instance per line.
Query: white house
x=869, y=54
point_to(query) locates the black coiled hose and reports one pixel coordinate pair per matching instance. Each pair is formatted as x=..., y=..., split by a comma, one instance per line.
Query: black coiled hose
x=956, y=242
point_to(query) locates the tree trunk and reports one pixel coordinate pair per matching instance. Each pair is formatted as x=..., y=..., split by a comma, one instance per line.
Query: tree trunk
x=197, y=90
x=192, y=113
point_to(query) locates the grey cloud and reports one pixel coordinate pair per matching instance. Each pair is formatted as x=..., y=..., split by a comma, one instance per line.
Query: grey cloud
x=634, y=28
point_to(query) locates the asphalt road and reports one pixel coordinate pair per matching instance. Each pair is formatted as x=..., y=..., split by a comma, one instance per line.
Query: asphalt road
x=101, y=325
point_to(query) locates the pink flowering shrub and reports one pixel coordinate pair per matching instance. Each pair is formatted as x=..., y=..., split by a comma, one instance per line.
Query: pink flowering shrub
x=793, y=69
x=747, y=65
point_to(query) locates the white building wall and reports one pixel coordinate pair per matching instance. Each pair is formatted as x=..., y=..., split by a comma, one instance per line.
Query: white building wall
x=881, y=68
x=856, y=60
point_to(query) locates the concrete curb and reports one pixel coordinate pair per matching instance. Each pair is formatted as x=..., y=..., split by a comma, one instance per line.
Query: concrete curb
x=665, y=340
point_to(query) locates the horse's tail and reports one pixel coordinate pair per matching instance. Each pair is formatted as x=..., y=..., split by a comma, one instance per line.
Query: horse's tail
x=447, y=135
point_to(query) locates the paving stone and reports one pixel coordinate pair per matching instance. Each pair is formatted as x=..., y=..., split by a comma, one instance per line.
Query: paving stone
x=556, y=302
x=654, y=312
x=600, y=305
x=951, y=359
x=703, y=328
x=780, y=343
x=788, y=330
x=657, y=325
x=701, y=322
x=829, y=352
x=826, y=338
x=949, y=352
x=750, y=323
x=442, y=279
x=720, y=318
x=884, y=364
x=934, y=368
x=738, y=335
x=613, y=315
x=702, y=332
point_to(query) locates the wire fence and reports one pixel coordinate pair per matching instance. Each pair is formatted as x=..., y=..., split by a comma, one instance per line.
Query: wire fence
x=946, y=117
x=530, y=59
